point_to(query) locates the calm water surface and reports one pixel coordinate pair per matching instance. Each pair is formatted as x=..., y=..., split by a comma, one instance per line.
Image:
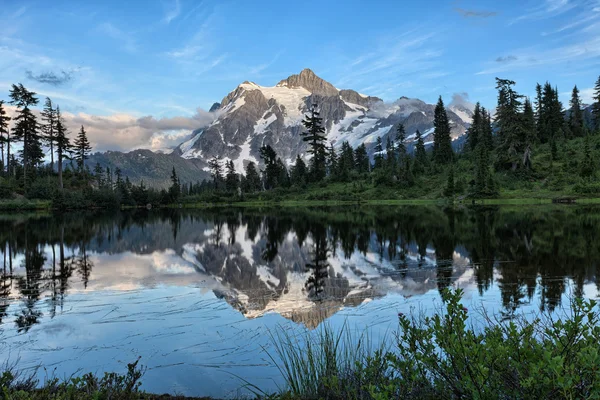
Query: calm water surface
x=196, y=293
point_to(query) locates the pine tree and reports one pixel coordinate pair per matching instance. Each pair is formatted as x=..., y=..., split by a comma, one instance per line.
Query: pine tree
x=400, y=146
x=99, y=175
x=4, y=138
x=596, y=106
x=576, y=115
x=510, y=124
x=298, y=173
x=252, y=178
x=346, y=162
x=442, y=141
x=216, y=171
x=475, y=131
x=421, y=160
x=487, y=138
x=315, y=136
x=49, y=128
x=82, y=149
x=332, y=163
x=232, y=180
x=26, y=128
x=283, y=178
x=529, y=132
x=378, y=156
x=361, y=159
x=271, y=172
x=539, y=111
x=62, y=145
x=174, y=189
x=390, y=156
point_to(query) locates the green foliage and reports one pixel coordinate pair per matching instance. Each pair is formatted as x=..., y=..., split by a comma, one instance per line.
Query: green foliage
x=111, y=386
x=446, y=356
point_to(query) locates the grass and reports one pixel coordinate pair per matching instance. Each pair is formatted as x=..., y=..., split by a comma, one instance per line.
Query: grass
x=24, y=204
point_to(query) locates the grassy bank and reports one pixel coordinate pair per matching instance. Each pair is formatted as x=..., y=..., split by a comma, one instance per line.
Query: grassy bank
x=24, y=205
x=441, y=356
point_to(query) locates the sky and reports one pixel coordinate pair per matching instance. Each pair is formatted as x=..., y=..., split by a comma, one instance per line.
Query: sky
x=142, y=74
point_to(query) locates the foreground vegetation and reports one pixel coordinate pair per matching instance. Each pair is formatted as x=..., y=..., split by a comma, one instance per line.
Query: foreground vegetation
x=443, y=356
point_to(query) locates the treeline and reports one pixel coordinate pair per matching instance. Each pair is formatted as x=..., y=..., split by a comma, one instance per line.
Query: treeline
x=503, y=145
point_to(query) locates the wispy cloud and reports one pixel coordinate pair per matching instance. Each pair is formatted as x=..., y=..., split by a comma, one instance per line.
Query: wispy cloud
x=475, y=13
x=504, y=59
x=126, y=40
x=173, y=12
x=548, y=9
x=19, y=12
x=50, y=77
x=531, y=57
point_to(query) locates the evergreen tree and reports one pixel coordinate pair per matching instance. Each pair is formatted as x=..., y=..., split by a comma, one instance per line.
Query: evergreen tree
x=442, y=141
x=26, y=128
x=487, y=138
x=596, y=106
x=216, y=171
x=400, y=147
x=232, y=180
x=539, y=111
x=475, y=131
x=49, y=128
x=298, y=173
x=99, y=175
x=421, y=160
x=283, y=178
x=315, y=136
x=378, y=156
x=252, y=178
x=62, y=146
x=361, y=159
x=550, y=118
x=390, y=156
x=174, y=189
x=332, y=163
x=4, y=138
x=529, y=131
x=576, y=115
x=271, y=172
x=82, y=149
x=346, y=162
x=510, y=126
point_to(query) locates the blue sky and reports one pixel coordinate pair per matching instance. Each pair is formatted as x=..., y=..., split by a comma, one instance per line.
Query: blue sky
x=165, y=59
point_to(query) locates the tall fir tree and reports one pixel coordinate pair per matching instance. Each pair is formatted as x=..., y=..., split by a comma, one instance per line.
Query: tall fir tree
x=475, y=131
x=421, y=160
x=232, y=180
x=216, y=171
x=252, y=178
x=332, y=162
x=298, y=173
x=529, y=132
x=442, y=141
x=378, y=156
x=596, y=106
x=346, y=161
x=82, y=149
x=316, y=139
x=361, y=159
x=400, y=146
x=587, y=167
x=62, y=146
x=576, y=116
x=271, y=173
x=510, y=126
x=4, y=138
x=26, y=128
x=174, y=189
x=49, y=128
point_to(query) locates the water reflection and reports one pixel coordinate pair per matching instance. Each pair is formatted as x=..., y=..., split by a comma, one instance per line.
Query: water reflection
x=288, y=260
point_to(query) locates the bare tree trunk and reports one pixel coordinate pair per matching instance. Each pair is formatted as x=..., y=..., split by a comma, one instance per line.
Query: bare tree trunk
x=8, y=153
x=60, y=177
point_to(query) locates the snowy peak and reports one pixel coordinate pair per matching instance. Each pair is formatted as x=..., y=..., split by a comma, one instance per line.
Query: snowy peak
x=308, y=80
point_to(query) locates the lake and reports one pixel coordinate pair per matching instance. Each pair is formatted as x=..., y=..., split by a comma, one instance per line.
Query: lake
x=197, y=294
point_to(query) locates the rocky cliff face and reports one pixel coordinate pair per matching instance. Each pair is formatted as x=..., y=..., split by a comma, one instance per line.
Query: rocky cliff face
x=252, y=116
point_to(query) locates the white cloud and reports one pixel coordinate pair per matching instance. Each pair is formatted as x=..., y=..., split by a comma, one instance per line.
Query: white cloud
x=126, y=40
x=548, y=9
x=173, y=13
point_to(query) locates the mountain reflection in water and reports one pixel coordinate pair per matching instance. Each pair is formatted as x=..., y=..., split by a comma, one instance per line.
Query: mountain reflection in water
x=304, y=264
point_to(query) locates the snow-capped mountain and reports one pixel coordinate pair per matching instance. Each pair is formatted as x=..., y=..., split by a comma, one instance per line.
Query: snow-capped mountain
x=252, y=116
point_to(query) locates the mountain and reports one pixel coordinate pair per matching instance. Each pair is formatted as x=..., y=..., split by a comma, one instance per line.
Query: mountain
x=153, y=168
x=252, y=116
